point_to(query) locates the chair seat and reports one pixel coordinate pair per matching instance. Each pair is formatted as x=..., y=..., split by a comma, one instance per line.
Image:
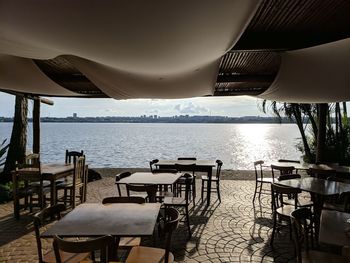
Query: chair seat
x=174, y=201
x=285, y=210
x=129, y=242
x=37, y=184
x=206, y=178
x=313, y=256
x=147, y=255
x=266, y=180
x=66, y=257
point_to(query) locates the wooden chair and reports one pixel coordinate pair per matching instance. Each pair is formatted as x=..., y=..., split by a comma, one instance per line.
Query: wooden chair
x=149, y=190
x=181, y=182
x=180, y=202
x=302, y=223
x=281, y=170
x=152, y=163
x=125, y=242
x=339, y=202
x=215, y=179
x=46, y=215
x=83, y=247
x=321, y=173
x=74, y=188
x=71, y=156
x=118, y=177
x=163, y=189
x=290, y=161
x=141, y=254
x=260, y=180
x=281, y=209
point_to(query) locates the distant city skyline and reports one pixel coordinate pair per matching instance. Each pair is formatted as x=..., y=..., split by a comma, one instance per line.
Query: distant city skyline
x=215, y=106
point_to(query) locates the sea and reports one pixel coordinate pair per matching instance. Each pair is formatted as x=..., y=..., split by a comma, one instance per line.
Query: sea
x=133, y=145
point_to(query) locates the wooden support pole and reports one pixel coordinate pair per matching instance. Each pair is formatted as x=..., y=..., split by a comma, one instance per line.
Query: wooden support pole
x=36, y=125
x=322, y=126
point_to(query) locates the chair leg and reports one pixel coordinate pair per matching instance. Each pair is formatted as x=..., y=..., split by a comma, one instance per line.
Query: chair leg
x=273, y=229
x=202, y=191
x=255, y=191
x=218, y=190
x=261, y=186
x=194, y=191
x=188, y=221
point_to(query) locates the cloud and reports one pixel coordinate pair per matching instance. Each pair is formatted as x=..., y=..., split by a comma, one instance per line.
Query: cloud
x=190, y=108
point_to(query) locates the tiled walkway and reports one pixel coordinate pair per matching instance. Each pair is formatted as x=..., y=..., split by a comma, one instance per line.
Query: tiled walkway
x=233, y=231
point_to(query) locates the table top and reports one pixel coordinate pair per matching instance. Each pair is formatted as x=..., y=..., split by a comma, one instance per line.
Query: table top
x=299, y=166
x=126, y=219
x=317, y=186
x=335, y=228
x=306, y=166
x=211, y=163
x=151, y=178
x=50, y=168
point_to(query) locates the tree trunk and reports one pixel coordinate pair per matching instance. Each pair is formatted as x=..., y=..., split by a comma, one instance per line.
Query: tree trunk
x=321, y=138
x=17, y=148
x=299, y=121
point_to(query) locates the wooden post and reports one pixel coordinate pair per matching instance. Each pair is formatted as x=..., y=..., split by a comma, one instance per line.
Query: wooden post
x=36, y=126
x=322, y=125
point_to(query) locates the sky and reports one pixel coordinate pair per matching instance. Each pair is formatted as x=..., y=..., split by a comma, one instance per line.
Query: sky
x=214, y=106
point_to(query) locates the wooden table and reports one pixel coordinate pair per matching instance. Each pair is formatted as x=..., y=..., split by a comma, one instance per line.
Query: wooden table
x=50, y=172
x=306, y=166
x=200, y=166
x=118, y=220
x=149, y=178
x=319, y=189
x=335, y=228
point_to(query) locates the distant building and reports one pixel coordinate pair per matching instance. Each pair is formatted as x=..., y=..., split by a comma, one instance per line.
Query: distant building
x=75, y=115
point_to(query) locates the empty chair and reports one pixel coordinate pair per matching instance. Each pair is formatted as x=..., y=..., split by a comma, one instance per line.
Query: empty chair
x=180, y=202
x=40, y=219
x=152, y=164
x=181, y=182
x=149, y=191
x=261, y=180
x=125, y=242
x=339, y=202
x=118, y=178
x=302, y=225
x=278, y=170
x=62, y=246
x=74, y=188
x=215, y=179
x=71, y=156
x=281, y=209
x=141, y=254
x=163, y=189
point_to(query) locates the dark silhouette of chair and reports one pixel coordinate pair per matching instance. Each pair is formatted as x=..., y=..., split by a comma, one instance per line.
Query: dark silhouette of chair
x=181, y=182
x=141, y=254
x=260, y=180
x=215, y=179
x=281, y=206
x=163, y=189
x=281, y=170
x=125, y=242
x=40, y=219
x=180, y=202
x=152, y=164
x=77, y=186
x=71, y=156
x=149, y=190
x=302, y=226
x=339, y=202
x=118, y=178
x=101, y=243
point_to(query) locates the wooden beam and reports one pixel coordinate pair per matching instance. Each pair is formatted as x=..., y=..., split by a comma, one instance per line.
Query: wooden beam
x=36, y=126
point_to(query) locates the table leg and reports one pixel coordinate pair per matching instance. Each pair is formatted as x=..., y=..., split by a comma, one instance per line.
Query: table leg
x=53, y=191
x=209, y=186
x=15, y=196
x=119, y=191
x=318, y=206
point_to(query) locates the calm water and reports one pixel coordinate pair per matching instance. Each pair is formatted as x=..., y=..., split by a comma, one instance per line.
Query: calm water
x=133, y=145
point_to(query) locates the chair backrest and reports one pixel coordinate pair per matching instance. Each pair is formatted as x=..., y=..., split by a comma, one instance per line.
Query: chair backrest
x=302, y=222
x=280, y=193
x=123, y=199
x=258, y=170
x=188, y=182
x=153, y=162
x=219, y=164
x=282, y=170
x=79, y=170
x=288, y=177
x=41, y=218
x=321, y=173
x=187, y=158
x=101, y=243
x=32, y=159
x=121, y=176
x=185, y=167
x=150, y=189
x=171, y=222
x=71, y=156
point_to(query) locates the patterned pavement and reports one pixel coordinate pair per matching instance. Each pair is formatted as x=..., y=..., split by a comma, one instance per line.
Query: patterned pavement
x=233, y=231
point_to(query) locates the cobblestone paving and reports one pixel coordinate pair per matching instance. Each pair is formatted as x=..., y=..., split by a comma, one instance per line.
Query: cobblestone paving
x=233, y=231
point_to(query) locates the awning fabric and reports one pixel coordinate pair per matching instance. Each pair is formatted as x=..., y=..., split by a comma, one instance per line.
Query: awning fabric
x=128, y=49
x=313, y=75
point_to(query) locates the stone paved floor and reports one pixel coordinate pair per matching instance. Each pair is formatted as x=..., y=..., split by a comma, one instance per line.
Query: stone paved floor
x=233, y=231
